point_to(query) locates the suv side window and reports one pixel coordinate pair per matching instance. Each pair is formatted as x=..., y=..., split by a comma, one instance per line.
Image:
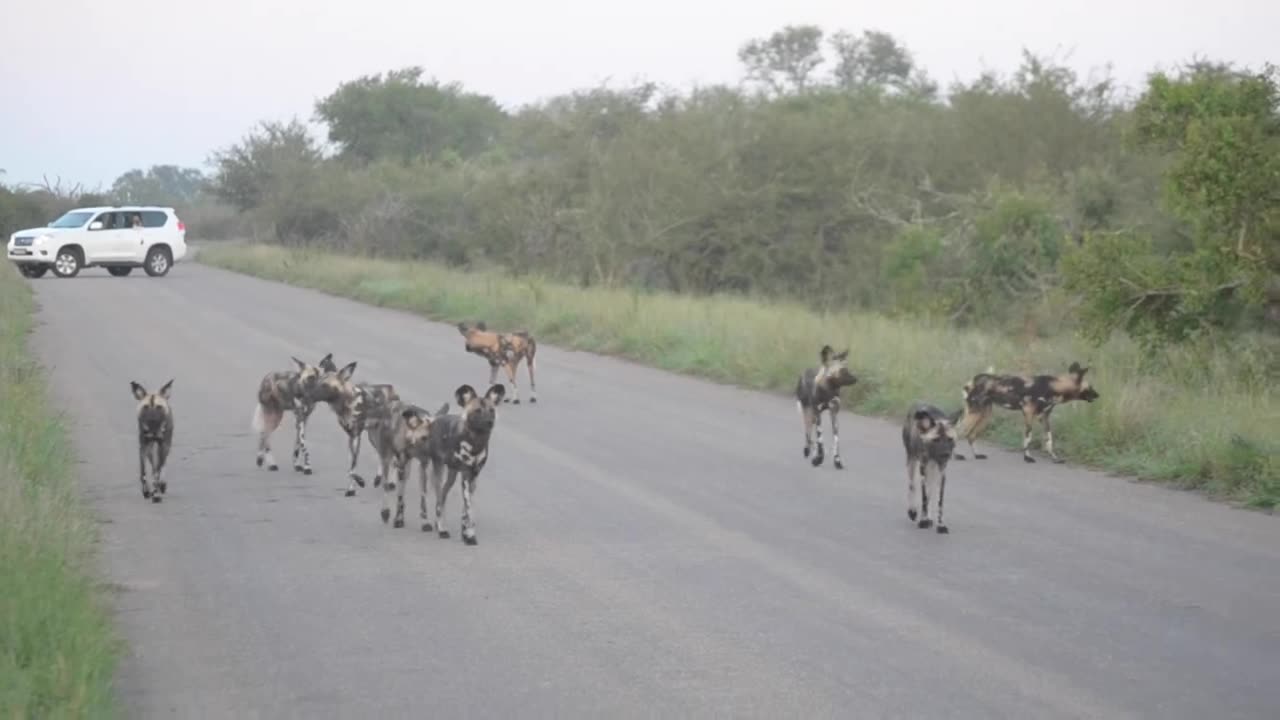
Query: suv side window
x=108, y=219
x=154, y=218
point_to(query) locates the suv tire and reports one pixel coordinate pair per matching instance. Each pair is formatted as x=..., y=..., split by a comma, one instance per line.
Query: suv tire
x=158, y=261
x=67, y=262
x=33, y=271
x=119, y=271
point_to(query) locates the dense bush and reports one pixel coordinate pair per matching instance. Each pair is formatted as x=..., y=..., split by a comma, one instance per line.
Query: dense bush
x=185, y=189
x=842, y=178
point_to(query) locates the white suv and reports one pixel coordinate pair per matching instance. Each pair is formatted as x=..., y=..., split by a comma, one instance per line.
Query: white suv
x=117, y=238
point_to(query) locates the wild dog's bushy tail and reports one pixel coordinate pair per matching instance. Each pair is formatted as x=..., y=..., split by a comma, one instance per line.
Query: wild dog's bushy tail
x=258, y=422
x=265, y=419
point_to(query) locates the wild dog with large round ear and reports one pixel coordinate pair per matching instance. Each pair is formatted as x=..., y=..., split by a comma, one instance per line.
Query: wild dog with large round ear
x=399, y=439
x=460, y=443
x=155, y=436
x=358, y=406
x=1036, y=396
x=818, y=389
x=503, y=350
x=929, y=439
x=288, y=390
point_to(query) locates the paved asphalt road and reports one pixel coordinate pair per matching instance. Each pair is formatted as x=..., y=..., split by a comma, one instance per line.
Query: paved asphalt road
x=650, y=546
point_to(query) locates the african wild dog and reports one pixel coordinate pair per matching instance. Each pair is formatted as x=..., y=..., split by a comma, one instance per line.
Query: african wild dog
x=400, y=439
x=818, y=389
x=288, y=390
x=359, y=407
x=1035, y=396
x=155, y=437
x=929, y=439
x=461, y=443
x=504, y=350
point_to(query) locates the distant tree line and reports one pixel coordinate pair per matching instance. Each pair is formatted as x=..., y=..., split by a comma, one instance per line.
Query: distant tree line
x=187, y=190
x=837, y=173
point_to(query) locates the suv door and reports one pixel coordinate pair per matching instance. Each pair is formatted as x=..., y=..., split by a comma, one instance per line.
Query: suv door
x=151, y=232
x=109, y=242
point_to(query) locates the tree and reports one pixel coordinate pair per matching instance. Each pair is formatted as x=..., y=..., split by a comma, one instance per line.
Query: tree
x=159, y=185
x=784, y=60
x=400, y=117
x=270, y=158
x=1220, y=130
x=875, y=59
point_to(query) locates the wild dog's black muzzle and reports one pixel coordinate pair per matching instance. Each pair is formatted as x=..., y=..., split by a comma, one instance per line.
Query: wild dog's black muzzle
x=151, y=426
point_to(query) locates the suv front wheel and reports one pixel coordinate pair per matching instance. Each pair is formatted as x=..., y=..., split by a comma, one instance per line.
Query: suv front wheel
x=158, y=261
x=33, y=271
x=67, y=262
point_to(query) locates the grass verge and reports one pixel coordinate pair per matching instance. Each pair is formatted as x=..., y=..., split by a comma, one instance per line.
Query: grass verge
x=1196, y=421
x=58, y=649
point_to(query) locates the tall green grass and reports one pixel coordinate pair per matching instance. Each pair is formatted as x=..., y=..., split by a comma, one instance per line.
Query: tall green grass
x=58, y=649
x=1203, y=421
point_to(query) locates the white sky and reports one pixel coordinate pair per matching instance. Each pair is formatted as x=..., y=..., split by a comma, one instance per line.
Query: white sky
x=89, y=90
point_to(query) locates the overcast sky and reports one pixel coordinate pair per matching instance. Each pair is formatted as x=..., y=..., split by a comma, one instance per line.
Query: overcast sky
x=89, y=90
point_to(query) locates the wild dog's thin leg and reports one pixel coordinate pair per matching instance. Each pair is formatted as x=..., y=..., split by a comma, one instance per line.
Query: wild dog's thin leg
x=834, y=410
x=468, y=520
x=942, y=489
x=806, y=418
x=971, y=425
x=442, y=494
x=981, y=424
x=142, y=470
x=270, y=421
x=911, y=490
x=384, y=465
x=820, y=455
x=264, y=450
x=353, y=447
x=493, y=372
x=298, y=422
x=925, y=521
x=395, y=462
x=1028, y=417
x=1048, y=435
x=154, y=456
x=391, y=483
x=422, y=497
x=963, y=426
x=510, y=366
x=162, y=454
x=381, y=473
x=402, y=476
x=301, y=457
x=533, y=389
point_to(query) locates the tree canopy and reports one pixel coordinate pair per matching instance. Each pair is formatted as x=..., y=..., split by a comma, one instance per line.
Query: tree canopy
x=839, y=174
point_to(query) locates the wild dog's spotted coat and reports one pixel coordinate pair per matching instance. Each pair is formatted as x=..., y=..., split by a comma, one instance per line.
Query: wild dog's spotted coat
x=818, y=389
x=929, y=440
x=460, y=443
x=358, y=407
x=1035, y=396
x=400, y=439
x=504, y=350
x=288, y=390
x=155, y=437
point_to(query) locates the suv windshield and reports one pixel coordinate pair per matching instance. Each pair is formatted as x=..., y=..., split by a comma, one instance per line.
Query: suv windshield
x=71, y=220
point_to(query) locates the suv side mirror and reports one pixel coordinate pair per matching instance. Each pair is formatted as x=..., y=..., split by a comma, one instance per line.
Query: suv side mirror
x=95, y=225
